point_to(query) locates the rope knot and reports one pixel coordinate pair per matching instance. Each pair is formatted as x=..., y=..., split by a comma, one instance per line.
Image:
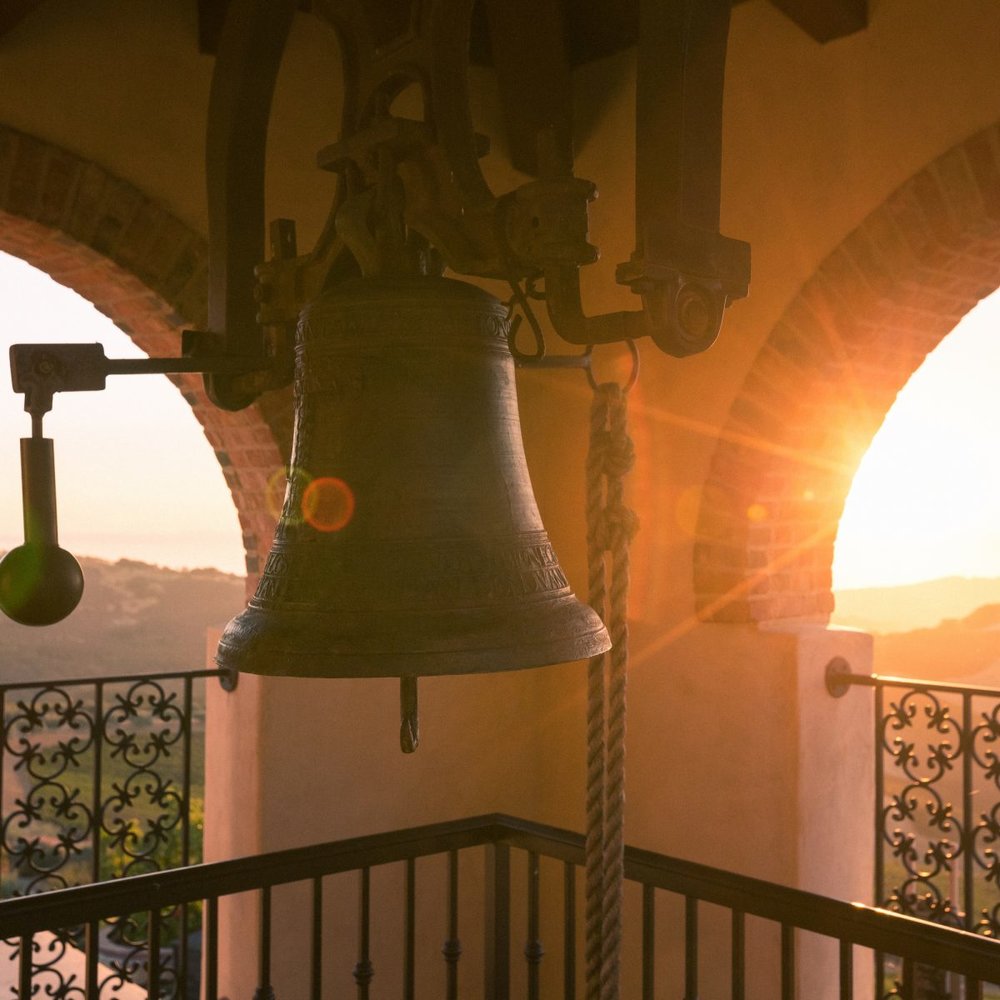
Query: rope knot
x=616, y=526
x=619, y=456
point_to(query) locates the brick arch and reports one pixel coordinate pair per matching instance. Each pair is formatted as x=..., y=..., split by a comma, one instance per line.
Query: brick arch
x=825, y=378
x=148, y=272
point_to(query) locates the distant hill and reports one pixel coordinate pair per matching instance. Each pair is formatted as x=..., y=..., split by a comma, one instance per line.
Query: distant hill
x=965, y=650
x=942, y=630
x=914, y=606
x=133, y=619
x=953, y=652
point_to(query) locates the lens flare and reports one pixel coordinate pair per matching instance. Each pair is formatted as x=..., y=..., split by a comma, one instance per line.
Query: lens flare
x=756, y=513
x=275, y=492
x=328, y=504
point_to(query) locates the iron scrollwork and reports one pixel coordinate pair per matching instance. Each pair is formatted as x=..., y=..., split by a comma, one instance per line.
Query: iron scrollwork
x=940, y=815
x=919, y=825
x=95, y=783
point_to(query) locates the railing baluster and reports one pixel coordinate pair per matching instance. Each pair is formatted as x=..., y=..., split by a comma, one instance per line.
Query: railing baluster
x=648, y=942
x=96, y=793
x=877, y=817
x=153, y=953
x=533, y=950
x=364, y=971
x=316, y=947
x=787, y=962
x=92, y=942
x=410, y=932
x=846, y=971
x=27, y=961
x=185, y=914
x=739, y=955
x=186, y=777
x=185, y=956
x=212, y=950
x=452, y=948
x=968, y=818
x=264, y=989
x=973, y=989
x=497, y=923
x=569, y=931
x=690, y=948
x=909, y=979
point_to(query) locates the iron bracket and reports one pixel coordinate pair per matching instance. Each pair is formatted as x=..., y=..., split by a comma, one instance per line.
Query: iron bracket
x=41, y=370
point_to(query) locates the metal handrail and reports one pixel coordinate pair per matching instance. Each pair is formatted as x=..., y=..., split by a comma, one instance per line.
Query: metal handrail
x=224, y=676
x=839, y=676
x=851, y=923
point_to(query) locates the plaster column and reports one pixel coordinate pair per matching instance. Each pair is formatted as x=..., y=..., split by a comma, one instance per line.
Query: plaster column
x=835, y=850
x=739, y=758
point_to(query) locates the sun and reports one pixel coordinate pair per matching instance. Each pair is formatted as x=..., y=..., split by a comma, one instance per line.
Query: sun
x=925, y=502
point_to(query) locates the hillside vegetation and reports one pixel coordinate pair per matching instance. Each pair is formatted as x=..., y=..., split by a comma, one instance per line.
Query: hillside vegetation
x=133, y=619
x=139, y=619
x=942, y=630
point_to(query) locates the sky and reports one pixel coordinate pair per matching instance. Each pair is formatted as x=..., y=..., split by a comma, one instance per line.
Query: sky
x=925, y=501
x=135, y=476
x=137, y=479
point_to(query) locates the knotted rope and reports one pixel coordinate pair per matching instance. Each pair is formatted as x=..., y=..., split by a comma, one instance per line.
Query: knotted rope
x=610, y=527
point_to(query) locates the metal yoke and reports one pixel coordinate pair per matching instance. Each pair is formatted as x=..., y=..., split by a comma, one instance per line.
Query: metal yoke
x=413, y=196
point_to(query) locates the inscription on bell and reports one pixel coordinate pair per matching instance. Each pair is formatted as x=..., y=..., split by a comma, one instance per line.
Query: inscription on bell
x=406, y=574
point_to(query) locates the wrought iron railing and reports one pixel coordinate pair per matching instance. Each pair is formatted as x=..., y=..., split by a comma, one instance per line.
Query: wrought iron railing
x=937, y=799
x=530, y=886
x=100, y=778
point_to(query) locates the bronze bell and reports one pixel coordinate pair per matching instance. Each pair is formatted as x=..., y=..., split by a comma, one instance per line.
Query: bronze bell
x=410, y=542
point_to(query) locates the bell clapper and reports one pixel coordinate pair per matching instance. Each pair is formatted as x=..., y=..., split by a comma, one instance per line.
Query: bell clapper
x=409, y=721
x=40, y=583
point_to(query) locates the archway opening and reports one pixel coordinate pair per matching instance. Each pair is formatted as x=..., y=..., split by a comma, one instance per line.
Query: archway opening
x=136, y=477
x=142, y=502
x=919, y=540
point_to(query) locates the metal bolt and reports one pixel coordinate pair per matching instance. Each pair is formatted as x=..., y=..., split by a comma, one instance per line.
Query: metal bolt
x=694, y=313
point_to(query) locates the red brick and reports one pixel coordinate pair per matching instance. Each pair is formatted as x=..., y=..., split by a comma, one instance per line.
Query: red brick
x=957, y=183
x=119, y=206
x=85, y=212
x=62, y=174
x=983, y=154
x=24, y=183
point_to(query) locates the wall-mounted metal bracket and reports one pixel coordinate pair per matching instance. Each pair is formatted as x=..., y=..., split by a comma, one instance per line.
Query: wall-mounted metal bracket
x=41, y=370
x=838, y=670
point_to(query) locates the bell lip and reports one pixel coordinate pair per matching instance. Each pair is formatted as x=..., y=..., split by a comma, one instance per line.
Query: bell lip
x=268, y=651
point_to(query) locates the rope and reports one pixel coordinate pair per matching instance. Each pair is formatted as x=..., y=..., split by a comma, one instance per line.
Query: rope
x=610, y=527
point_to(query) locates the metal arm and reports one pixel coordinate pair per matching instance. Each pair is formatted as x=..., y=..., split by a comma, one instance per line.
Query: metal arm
x=685, y=271
x=41, y=370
